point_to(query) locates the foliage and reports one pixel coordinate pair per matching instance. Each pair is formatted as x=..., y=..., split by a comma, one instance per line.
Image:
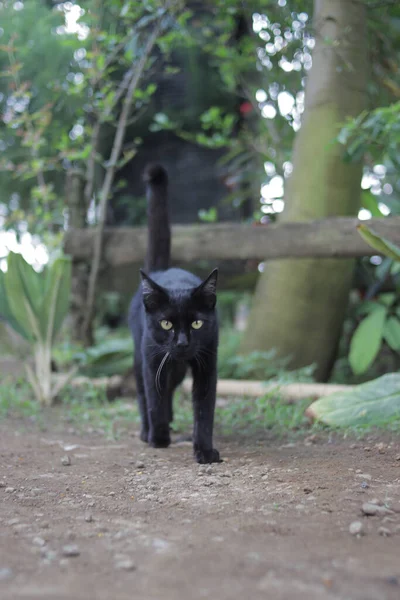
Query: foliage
x=112, y=357
x=60, y=121
x=382, y=323
x=35, y=305
x=256, y=365
x=373, y=403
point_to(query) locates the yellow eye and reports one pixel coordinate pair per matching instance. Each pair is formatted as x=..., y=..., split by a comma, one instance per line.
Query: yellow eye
x=167, y=325
x=197, y=324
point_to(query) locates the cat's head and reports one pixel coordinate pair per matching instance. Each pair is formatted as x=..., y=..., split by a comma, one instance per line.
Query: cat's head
x=181, y=321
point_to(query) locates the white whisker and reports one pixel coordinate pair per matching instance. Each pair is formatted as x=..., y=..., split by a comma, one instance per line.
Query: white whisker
x=158, y=374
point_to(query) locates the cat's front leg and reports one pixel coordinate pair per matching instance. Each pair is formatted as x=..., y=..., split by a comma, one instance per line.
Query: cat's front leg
x=204, y=395
x=158, y=409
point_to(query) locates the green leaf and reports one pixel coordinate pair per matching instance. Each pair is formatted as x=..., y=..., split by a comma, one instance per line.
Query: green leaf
x=391, y=333
x=370, y=202
x=6, y=312
x=380, y=244
x=366, y=341
x=24, y=293
x=55, y=304
x=372, y=403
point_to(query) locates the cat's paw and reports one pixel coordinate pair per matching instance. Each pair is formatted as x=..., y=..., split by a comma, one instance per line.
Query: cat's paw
x=205, y=457
x=159, y=438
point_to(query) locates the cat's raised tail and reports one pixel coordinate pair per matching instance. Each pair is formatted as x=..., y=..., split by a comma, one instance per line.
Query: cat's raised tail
x=159, y=229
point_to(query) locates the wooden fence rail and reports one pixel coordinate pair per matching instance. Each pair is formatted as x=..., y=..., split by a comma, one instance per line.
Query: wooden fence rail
x=335, y=237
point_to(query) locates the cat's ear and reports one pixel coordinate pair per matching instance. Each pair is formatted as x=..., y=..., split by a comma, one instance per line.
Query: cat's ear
x=153, y=294
x=206, y=292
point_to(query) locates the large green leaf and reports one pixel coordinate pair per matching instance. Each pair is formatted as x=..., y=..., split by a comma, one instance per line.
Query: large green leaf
x=380, y=244
x=24, y=293
x=371, y=403
x=55, y=302
x=391, y=333
x=6, y=312
x=367, y=340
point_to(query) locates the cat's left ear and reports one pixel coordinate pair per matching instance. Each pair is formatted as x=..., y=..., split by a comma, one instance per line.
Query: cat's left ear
x=207, y=291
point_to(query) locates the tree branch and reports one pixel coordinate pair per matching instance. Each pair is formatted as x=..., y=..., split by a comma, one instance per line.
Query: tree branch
x=109, y=178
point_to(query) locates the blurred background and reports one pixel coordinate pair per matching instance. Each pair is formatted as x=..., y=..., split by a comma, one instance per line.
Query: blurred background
x=263, y=113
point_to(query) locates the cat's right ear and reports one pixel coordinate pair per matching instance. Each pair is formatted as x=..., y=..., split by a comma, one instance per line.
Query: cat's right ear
x=153, y=294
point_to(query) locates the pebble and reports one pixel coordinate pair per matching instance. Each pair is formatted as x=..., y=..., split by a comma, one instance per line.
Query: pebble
x=365, y=476
x=209, y=470
x=384, y=531
x=88, y=517
x=66, y=460
x=356, y=528
x=3, y=484
x=139, y=464
x=71, y=550
x=10, y=490
x=125, y=565
x=38, y=541
x=397, y=458
x=12, y=521
x=370, y=509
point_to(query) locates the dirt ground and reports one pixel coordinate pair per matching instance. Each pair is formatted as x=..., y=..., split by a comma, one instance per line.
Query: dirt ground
x=272, y=521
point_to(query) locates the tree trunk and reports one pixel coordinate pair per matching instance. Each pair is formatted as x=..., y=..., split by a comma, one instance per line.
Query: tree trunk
x=299, y=305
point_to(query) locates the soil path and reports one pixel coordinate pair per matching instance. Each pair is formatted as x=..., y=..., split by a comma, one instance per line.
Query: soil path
x=272, y=521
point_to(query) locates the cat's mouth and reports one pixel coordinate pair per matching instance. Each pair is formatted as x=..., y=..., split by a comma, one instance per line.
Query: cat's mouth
x=182, y=354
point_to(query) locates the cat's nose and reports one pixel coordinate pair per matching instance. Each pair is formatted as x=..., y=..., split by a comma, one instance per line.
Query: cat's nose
x=182, y=342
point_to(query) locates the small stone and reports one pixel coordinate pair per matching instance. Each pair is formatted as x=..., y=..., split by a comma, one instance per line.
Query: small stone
x=3, y=484
x=9, y=490
x=38, y=541
x=364, y=485
x=12, y=522
x=139, y=464
x=71, y=550
x=111, y=494
x=367, y=449
x=209, y=470
x=88, y=517
x=365, y=476
x=66, y=460
x=356, y=528
x=370, y=509
x=397, y=458
x=125, y=565
x=384, y=531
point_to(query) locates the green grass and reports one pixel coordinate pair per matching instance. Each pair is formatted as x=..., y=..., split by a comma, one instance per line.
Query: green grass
x=87, y=409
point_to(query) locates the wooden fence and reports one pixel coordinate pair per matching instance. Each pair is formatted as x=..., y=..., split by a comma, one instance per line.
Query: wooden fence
x=336, y=237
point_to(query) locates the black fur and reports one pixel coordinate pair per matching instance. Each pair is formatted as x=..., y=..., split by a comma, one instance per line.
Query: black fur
x=162, y=357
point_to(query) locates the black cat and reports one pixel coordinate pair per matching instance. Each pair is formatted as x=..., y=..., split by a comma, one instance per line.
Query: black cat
x=174, y=325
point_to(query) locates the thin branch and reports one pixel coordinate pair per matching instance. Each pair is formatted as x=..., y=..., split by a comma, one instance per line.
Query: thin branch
x=91, y=164
x=109, y=178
